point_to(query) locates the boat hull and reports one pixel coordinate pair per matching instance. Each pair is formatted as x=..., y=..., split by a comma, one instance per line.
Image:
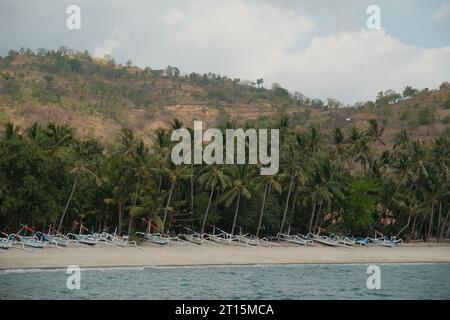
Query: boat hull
x=156, y=239
x=85, y=240
x=5, y=245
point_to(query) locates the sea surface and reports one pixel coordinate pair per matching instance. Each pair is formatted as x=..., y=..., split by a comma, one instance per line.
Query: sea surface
x=312, y=281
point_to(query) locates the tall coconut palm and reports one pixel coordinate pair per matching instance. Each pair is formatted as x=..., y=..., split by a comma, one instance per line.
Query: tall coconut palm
x=267, y=183
x=140, y=158
x=58, y=136
x=212, y=176
x=241, y=176
x=295, y=159
x=323, y=188
x=78, y=169
x=176, y=174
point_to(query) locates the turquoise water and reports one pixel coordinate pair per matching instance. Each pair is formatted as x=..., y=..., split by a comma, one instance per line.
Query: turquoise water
x=398, y=281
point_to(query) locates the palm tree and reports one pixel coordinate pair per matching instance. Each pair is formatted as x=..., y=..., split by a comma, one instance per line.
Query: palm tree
x=58, y=136
x=141, y=171
x=323, y=189
x=295, y=160
x=161, y=147
x=268, y=183
x=408, y=202
x=11, y=131
x=338, y=141
x=78, y=169
x=176, y=174
x=241, y=185
x=212, y=177
x=401, y=140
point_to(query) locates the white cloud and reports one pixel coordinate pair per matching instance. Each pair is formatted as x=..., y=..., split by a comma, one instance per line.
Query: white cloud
x=251, y=40
x=234, y=37
x=441, y=13
x=312, y=47
x=110, y=44
x=353, y=66
x=173, y=17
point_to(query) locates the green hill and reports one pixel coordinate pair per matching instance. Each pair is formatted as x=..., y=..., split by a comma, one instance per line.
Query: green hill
x=98, y=97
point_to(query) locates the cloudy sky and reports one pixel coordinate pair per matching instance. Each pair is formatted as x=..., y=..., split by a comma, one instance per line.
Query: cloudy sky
x=320, y=48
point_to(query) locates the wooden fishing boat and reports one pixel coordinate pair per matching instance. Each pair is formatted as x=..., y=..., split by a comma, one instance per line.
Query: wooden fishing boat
x=323, y=240
x=156, y=238
x=83, y=239
x=295, y=239
x=5, y=243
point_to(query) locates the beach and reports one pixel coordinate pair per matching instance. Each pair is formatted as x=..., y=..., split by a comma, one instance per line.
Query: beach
x=102, y=255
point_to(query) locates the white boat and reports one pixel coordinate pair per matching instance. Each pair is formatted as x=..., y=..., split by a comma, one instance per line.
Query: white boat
x=120, y=241
x=194, y=238
x=83, y=238
x=57, y=239
x=222, y=237
x=248, y=239
x=5, y=243
x=156, y=238
x=31, y=242
x=292, y=239
x=384, y=241
x=323, y=240
x=345, y=241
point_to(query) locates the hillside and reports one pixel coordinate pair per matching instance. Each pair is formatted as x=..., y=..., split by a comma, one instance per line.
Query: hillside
x=99, y=97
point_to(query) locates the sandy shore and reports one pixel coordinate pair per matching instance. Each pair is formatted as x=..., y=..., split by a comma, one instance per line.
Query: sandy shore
x=178, y=255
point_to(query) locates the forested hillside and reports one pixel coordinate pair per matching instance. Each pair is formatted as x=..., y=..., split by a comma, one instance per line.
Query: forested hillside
x=88, y=141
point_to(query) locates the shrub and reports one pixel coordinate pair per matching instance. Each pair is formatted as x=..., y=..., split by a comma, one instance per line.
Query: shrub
x=447, y=104
x=446, y=120
x=426, y=116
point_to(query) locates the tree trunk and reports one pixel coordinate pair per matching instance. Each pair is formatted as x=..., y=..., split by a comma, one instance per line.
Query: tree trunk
x=441, y=233
x=292, y=215
x=430, y=227
x=236, y=213
x=448, y=230
x=121, y=207
x=68, y=203
x=412, y=229
x=262, y=211
x=167, y=207
x=130, y=223
x=405, y=227
x=159, y=183
x=312, y=216
x=287, y=202
x=192, y=189
x=439, y=221
x=421, y=227
x=318, y=216
x=207, y=210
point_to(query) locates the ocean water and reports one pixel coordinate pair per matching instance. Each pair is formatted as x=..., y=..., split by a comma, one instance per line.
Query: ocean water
x=320, y=281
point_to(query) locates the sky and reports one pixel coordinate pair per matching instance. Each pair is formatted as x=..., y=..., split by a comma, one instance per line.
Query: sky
x=320, y=48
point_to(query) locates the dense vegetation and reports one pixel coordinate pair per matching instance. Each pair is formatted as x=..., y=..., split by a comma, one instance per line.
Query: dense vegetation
x=76, y=80
x=337, y=181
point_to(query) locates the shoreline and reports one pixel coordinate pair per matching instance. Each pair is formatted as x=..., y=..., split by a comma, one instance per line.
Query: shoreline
x=38, y=269
x=103, y=256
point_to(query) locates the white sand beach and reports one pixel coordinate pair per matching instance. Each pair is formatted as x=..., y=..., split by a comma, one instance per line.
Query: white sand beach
x=194, y=255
